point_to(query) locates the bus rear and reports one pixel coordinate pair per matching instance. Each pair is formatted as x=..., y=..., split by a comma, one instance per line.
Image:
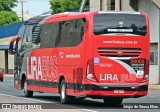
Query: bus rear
x=120, y=49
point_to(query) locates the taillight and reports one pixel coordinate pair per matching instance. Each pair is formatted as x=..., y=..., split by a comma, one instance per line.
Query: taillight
x=90, y=74
x=146, y=72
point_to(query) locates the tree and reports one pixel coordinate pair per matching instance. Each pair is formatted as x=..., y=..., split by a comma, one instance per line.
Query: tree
x=8, y=17
x=59, y=6
x=7, y=5
x=56, y=6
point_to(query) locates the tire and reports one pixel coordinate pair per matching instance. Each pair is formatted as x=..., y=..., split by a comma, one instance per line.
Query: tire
x=65, y=99
x=26, y=92
x=113, y=101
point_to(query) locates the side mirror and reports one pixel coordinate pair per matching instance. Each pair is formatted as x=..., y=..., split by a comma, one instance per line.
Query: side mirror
x=11, y=45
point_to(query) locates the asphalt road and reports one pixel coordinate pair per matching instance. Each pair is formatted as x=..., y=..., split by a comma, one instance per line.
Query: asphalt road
x=10, y=95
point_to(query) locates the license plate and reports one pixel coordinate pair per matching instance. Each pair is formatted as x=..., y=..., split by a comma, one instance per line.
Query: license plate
x=118, y=91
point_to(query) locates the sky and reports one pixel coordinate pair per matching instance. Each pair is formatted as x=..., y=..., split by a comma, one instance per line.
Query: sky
x=34, y=7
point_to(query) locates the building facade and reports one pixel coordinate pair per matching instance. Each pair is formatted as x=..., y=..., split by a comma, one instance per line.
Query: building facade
x=6, y=59
x=152, y=8
x=105, y=5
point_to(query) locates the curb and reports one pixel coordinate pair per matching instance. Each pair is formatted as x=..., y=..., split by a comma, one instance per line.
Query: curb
x=154, y=87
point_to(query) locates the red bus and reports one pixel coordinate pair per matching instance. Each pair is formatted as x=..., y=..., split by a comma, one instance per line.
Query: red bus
x=102, y=55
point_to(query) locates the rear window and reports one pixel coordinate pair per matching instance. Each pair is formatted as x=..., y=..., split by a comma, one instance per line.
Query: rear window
x=120, y=23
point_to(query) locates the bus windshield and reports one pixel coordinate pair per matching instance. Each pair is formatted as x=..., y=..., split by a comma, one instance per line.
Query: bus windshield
x=113, y=23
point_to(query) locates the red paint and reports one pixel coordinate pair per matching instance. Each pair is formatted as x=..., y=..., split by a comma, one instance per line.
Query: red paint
x=17, y=86
x=50, y=64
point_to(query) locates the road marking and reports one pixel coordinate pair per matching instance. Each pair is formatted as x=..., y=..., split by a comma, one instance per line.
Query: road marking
x=25, y=98
x=47, y=102
x=89, y=110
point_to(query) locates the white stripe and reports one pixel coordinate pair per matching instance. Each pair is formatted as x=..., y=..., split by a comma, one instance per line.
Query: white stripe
x=25, y=98
x=120, y=58
x=89, y=110
x=126, y=66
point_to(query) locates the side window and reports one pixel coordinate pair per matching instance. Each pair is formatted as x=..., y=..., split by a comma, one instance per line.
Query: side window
x=72, y=32
x=20, y=33
x=26, y=43
x=78, y=31
x=62, y=34
x=36, y=36
x=50, y=35
x=55, y=34
x=66, y=34
x=46, y=36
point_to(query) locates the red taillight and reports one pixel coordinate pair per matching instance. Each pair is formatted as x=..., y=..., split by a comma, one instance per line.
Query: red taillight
x=90, y=71
x=146, y=72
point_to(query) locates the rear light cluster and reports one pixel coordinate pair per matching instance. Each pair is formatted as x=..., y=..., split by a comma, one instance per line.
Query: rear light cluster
x=90, y=71
x=146, y=72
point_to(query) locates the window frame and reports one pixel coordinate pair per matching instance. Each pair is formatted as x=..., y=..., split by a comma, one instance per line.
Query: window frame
x=154, y=58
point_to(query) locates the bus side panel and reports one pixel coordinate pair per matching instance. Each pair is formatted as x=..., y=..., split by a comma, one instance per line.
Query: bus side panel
x=70, y=66
x=45, y=69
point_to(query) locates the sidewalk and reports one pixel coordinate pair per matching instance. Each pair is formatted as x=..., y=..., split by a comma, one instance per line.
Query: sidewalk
x=154, y=86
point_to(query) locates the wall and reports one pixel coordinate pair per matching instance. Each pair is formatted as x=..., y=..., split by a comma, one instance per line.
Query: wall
x=1, y=59
x=126, y=5
x=5, y=41
x=10, y=62
x=94, y=5
x=153, y=13
x=153, y=77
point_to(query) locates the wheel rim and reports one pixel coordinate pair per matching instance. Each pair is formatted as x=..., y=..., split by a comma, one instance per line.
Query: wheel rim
x=63, y=92
x=25, y=87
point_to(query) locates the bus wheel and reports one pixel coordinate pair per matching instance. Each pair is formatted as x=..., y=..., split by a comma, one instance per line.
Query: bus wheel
x=63, y=95
x=1, y=79
x=26, y=92
x=113, y=101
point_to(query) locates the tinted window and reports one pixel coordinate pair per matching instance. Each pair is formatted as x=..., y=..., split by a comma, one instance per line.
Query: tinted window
x=26, y=43
x=62, y=34
x=36, y=36
x=20, y=33
x=46, y=34
x=120, y=23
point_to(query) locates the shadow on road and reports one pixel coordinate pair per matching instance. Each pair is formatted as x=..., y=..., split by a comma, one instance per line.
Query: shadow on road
x=79, y=103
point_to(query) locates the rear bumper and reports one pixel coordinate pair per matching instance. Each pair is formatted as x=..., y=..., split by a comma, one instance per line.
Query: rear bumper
x=124, y=91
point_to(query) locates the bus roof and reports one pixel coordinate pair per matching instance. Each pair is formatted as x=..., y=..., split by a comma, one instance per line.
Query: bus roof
x=80, y=14
x=35, y=20
x=65, y=14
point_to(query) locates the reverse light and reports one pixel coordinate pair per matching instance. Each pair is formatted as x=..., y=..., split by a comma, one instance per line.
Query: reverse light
x=90, y=76
x=90, y=71
x=147, y=76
